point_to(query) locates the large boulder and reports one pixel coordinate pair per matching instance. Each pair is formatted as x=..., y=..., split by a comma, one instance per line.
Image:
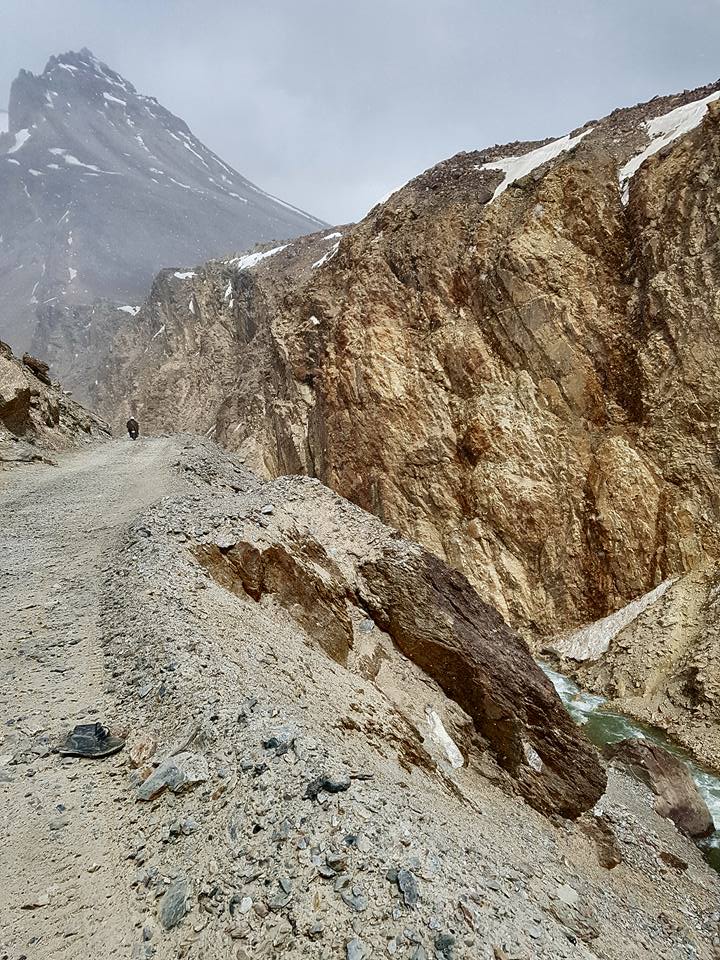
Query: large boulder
x=668, y=777
x=333, y=577
x=34, y=413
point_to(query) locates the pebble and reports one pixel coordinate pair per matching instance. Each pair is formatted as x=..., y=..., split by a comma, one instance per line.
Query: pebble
x=355, y=949
x=408, y=885
x=173, y=904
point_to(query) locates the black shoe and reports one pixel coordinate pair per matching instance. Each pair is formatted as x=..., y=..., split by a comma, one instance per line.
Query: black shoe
x=91, y=740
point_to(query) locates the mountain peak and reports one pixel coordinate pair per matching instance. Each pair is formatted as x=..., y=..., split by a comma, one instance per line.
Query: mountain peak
x=101, y=187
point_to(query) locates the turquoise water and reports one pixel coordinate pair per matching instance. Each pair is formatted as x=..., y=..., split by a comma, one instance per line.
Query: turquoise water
x=603, y=726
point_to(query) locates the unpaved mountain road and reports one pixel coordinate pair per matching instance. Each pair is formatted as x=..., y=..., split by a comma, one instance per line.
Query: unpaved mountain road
x=61, y=831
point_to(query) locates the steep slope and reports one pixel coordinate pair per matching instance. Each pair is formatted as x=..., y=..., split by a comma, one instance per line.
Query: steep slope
x=100, y=187
x=281, y=794
x=513, y=360
x=36, y=415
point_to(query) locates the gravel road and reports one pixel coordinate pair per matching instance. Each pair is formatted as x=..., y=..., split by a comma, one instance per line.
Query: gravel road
x=59, y=836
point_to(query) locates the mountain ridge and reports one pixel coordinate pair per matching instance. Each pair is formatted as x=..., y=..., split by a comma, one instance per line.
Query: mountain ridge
x=102, y=186
x=460, y=344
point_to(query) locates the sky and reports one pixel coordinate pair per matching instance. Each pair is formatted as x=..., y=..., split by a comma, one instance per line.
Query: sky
x=331, y=104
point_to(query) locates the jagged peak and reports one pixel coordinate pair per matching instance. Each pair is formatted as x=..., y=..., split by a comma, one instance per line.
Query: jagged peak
x=83, y=63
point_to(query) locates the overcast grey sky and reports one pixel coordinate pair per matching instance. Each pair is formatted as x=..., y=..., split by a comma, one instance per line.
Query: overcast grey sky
x=332, y=103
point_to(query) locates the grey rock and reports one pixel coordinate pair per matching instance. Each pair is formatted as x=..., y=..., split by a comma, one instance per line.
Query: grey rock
x=173, y=904
x=567, y=895
x=444, y=944
x=408, y=885
x=356, y=899
x=327, y=784
x=355, y=949
x=177, y=774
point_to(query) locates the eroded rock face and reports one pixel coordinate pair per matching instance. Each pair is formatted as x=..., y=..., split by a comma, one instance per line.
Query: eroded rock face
x=527, y=384
x=435, y=618
x=37, y=416
x=678, y=798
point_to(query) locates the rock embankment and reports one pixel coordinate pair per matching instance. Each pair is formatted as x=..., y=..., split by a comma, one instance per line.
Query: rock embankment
x=353, y=585
x=261, y=627
x=293, y=783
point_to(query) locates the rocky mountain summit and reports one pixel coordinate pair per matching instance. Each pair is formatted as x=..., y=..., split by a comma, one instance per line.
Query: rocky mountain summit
x=512, y=359
x=100, y=187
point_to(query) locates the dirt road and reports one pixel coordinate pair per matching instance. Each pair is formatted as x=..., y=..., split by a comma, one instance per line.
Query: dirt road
x=61, y=830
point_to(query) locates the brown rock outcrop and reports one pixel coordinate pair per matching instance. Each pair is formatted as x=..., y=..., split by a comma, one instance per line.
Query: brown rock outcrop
x=528, y=385
x=35, y=415
x=668, y=777
x=330, y=580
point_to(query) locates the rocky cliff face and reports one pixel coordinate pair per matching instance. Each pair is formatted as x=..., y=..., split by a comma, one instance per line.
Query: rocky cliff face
x=36, y=415
x=100, y=187
x=513, y=360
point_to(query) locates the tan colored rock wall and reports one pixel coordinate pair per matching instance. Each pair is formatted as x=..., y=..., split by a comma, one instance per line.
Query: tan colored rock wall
x=527, y=386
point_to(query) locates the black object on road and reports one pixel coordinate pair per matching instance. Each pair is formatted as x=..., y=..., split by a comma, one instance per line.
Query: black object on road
x=91, y=740
x=133, y=428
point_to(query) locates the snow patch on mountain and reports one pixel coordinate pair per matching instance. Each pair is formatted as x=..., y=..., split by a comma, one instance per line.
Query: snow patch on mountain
x=21, y=138
x=252, y=259
x=592, y=641
x=662, y=131
x=515, y=168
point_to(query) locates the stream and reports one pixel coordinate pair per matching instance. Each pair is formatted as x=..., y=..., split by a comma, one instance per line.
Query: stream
x=604, y=726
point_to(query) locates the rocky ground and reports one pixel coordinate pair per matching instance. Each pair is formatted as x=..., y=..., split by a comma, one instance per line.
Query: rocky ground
x=273, y=799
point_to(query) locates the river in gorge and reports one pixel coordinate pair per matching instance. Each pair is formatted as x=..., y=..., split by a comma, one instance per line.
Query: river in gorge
x=604, y=726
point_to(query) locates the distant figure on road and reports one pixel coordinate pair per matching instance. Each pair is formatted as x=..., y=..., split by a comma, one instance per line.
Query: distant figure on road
x=133, y=428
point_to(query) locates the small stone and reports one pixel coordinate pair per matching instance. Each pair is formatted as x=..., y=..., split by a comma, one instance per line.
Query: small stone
x=327, y=784
x=567, y=895
x=355, y=949
x=316, y=931
x=173, y=904
x=245, y=905
x=267, y=509
x=177, y=774
x=444, y=944
x=33, y=903
x=261, y=909
x=337, y=861
x=356, y=898
x=408, y=885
